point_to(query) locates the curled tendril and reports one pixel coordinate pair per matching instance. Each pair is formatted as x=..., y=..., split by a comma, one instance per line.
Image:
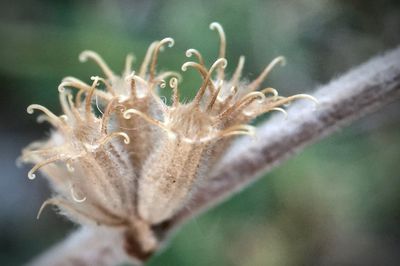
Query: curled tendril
x=128, y=114
x=257, y=82
x=150, y=91
x=81, y=86
x=89, y=97
x=170, y=42
x=238, y=130
x=288, y=100
x=221, y=62
x=173, y=83
x=60, y=202
x=49, y=116
x=74, y=196
x=109, y=137
x=31, y=173
x=201, y=68
x=280, y=110
x=243, y=103
x=167, y=74
x=163, y=84
x=191, y=52
x=107, y=84
x=222, y=48
x=270, y=90
x=85, y=55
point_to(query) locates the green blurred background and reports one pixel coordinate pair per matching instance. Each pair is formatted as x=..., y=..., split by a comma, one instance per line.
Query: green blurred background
x=337, y=203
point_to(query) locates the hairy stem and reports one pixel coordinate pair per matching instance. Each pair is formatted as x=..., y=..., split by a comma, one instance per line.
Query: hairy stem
x=355, y=94
x=86, y=246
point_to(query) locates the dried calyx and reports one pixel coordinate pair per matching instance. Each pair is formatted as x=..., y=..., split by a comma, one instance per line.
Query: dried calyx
x=137, y=164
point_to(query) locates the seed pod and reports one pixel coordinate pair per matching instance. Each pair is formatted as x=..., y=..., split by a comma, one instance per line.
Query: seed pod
x=138, y=163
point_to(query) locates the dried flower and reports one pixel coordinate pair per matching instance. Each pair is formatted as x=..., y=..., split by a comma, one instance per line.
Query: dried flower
x=145, y=170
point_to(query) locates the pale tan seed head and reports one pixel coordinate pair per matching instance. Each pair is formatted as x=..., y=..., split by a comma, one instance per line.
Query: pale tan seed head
x=137, y=164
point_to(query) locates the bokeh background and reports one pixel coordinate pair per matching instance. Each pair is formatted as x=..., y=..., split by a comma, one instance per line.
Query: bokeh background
x=337, y=203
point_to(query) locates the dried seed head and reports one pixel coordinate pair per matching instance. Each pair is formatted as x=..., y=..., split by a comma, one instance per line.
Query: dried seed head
x=138, y=163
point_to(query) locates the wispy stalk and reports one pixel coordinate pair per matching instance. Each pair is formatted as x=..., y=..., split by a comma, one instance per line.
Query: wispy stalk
x=353, y=95
x=86, y=246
